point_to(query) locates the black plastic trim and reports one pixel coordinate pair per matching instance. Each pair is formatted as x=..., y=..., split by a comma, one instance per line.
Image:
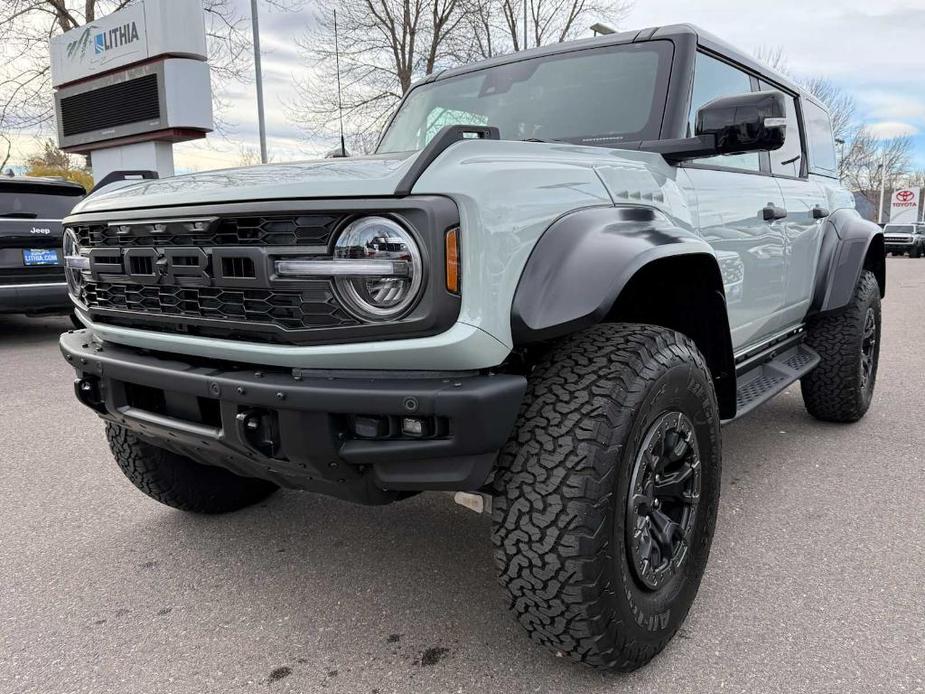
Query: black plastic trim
x=124, y=175
x=847, y=240
x=583, y=261
x=317, y=451
x=448, y=135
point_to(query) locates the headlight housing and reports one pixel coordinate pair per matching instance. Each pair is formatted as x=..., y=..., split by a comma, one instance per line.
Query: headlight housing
x=390, y=281
x=74, y=263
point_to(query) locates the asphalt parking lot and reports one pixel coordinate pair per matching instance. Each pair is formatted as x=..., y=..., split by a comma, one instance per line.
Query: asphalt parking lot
x=816, y=581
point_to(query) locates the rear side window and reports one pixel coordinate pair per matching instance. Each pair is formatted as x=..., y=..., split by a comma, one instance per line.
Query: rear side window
x=24, y=201
x=713, y=79
x=788, y=160
x=819, y=139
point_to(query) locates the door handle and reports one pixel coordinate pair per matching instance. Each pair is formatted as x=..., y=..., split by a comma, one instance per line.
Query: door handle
x=772, y=212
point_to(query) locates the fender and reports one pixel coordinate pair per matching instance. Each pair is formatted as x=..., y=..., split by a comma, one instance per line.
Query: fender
x=848, y=240
x=584, y=260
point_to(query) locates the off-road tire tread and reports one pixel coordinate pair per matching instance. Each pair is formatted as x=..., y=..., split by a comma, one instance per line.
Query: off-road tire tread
x=179, y=482
x=554, y=482
x=832, y=391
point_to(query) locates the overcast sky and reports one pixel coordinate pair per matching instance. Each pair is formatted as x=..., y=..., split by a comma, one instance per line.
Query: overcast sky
x=873, y=49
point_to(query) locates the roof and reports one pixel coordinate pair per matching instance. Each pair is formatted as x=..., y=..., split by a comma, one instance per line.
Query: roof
x=51, y=181
x=670, y=32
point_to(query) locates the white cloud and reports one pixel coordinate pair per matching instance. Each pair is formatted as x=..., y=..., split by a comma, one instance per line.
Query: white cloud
x=888, y=129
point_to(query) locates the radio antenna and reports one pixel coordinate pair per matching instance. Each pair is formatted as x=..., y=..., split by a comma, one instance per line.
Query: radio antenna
x=340, y=104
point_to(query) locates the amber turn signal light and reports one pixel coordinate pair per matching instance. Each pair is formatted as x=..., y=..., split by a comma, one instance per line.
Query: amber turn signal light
x=452, y=260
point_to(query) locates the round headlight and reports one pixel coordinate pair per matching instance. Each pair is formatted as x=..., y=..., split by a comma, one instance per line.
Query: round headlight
x=72, y=273
x=387, y=288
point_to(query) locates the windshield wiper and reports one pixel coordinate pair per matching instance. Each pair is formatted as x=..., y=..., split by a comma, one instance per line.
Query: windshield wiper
x=18, y=215
x=540, y=139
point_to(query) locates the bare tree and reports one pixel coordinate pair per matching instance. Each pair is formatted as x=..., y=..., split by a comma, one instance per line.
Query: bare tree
x=26, y=26
x=497, y=26
x=385, y=45
x=860, y=154
x=773, y=57
x=7, y=149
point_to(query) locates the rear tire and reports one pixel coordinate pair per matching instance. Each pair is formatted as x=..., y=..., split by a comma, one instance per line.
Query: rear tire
x=841, y=387
x=179, y=482
x=571, y=540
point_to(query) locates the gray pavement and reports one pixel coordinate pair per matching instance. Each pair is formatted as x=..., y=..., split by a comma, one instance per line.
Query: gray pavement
x=816, y=581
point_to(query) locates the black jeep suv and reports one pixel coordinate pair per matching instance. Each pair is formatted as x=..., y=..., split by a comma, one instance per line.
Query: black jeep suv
x=31, y=267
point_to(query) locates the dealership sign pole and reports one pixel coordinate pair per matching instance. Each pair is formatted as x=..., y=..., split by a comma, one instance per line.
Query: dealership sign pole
x=904, y=205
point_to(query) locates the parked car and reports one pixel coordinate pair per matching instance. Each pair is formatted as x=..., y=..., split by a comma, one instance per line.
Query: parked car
x=31, y=265
x=596, y=252
x=905, y=238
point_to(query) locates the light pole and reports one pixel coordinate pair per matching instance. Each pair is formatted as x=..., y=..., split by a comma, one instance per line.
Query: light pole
x=525, y=24
x=882, y=186
x=261, y=119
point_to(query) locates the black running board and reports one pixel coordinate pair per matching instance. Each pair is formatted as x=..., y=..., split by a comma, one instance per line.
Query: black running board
x=763, y=381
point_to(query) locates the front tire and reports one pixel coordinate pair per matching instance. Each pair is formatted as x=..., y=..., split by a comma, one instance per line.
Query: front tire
x=179, y=482
x=614, y=463
x=841, y=387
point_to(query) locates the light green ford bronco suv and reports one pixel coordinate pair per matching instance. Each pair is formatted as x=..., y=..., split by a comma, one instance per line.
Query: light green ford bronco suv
x=557, y=276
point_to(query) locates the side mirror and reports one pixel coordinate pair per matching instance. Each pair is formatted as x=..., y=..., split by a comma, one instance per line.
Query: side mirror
x=754, y=122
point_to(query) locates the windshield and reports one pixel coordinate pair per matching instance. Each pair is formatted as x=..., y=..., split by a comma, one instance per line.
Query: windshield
x=22, y=201
x=899, y=228
x=599, y=96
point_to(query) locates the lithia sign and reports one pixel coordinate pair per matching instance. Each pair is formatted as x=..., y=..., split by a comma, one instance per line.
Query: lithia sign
x=102, y=41
x=107, y=43
x=141, y=31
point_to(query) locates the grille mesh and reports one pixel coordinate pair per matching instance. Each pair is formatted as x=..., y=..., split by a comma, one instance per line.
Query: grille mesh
x=311, y=307
x=276, y=230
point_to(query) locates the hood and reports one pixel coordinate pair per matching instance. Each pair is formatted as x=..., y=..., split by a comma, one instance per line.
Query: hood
x=370, y=176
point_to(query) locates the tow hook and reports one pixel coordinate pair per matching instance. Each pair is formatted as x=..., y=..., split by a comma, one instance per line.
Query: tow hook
x=259, y=429
x=88, y=392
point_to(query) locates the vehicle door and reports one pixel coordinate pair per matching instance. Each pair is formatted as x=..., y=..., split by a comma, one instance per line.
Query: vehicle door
x=802, y=226
x=739, y=210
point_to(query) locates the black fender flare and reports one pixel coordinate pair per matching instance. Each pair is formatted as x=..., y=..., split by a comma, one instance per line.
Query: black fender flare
x=848, y=242
x=582, y=262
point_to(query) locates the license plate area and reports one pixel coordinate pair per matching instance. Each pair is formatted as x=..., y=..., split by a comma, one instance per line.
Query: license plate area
x=40, y=257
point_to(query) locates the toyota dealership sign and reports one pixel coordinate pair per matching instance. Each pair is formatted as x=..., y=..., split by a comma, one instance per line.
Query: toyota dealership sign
x=904, y=205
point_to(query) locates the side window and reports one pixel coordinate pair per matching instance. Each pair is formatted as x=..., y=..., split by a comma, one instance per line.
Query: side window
x=788, y=160
x=712, y=79
x=820, y=141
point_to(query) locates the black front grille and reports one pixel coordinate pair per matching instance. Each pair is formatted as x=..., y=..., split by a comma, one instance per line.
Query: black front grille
x=313, y=306
x=127, y=102
x=274, y=230
x=211, y=271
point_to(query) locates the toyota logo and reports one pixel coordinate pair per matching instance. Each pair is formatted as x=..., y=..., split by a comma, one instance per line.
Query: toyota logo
x=905, y=195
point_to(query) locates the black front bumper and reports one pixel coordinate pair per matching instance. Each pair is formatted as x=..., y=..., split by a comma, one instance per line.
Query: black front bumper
x=41, y=297
x=338, y=433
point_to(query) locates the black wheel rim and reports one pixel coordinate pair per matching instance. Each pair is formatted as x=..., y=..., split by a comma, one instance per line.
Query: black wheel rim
x=663, y=499
x=868, y=348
